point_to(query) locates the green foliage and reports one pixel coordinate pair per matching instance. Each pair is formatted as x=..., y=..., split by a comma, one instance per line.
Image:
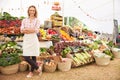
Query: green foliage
x=22, y=17
x=9, y=59
x=10, y=53
x=109, y=52
x=98, y=41
x=0, y=15
x=72, y=21
x=55, y=38
x=94, y=46
x=43, y=50
x=111, y=44
x=10, y=47
x=7, y=16
x=66, y=51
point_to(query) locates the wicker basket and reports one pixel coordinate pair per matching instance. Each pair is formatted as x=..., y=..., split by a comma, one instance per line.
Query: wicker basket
x=65, y=66
x=48, y=68
x=10, y=69
x=23, y=66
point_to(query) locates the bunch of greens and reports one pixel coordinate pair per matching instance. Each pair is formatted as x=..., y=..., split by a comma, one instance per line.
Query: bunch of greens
x=10, y=53
x=94, y=46
x=111, y=44
x=66, y=51
x=109, y=52
x=7, y=16
x=11, y=47
x=43, y=50
x=9, y=59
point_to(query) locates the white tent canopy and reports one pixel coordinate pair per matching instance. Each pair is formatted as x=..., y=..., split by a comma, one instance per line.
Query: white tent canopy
x=96, y=14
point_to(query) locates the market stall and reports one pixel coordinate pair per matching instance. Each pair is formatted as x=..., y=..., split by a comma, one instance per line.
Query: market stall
x=62, y=47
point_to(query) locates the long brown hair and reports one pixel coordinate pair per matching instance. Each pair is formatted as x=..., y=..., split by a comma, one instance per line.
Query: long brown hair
x=35, y=10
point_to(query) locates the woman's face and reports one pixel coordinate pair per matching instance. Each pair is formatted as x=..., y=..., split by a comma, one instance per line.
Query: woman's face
x=32, y=11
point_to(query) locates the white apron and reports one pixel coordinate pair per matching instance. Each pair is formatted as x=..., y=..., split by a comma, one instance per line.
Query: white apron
x=30, y=45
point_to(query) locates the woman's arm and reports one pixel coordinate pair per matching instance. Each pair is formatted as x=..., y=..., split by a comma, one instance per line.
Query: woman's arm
x=26, y=30
x=37, y=26
x=22, y=26
x=29, y=30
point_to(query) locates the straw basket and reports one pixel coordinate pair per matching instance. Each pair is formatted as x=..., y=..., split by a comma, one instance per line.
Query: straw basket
x=10, y=69
x=65, y=66
x=51, y=68
x=23, y=66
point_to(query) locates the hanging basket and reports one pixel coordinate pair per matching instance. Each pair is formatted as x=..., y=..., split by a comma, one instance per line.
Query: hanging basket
x=10, y=69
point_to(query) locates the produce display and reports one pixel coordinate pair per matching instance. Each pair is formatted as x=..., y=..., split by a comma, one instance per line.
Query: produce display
x=65, y=36
x=9, y=24
x=62, y=45
x=49, y=34
x=10, y=27
x=81, y=59
x=43, y=34
x=79, y=54
x=52, y=32
x=80, y=46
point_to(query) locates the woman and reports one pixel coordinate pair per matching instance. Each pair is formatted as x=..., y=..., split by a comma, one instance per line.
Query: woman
x=30, y=27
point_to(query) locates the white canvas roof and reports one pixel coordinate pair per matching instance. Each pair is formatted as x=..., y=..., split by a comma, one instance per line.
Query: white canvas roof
x=96, y=14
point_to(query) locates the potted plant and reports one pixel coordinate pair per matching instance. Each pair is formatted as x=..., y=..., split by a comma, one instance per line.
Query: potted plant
x=10, y=57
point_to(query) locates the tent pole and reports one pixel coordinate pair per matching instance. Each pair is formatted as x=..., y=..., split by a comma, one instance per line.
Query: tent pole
x=113, y=35
x=115, y=24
